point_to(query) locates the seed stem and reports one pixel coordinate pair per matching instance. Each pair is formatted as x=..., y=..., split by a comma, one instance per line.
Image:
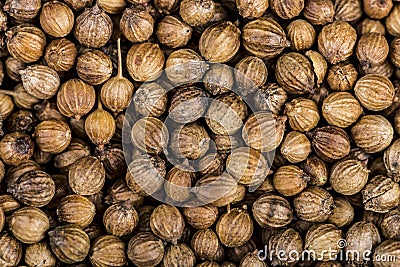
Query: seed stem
x=7, y=92
x=119, y=75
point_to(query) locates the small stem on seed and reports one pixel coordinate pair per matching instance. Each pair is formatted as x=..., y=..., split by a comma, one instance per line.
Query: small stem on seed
x=119, y=75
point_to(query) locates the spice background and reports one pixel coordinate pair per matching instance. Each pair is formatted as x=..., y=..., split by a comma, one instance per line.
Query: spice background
x=183, y=133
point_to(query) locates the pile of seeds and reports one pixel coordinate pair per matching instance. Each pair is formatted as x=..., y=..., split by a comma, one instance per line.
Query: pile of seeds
x=182, y=133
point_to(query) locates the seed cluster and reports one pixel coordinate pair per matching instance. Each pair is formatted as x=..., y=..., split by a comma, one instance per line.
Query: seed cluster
x=279, y=134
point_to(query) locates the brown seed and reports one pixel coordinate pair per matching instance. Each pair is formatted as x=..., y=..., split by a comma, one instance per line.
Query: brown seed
x=205, y=244
x=285, y=240
x=343, y=213
x=348, y=10
x=290, y=180
x=235, y=227
x=251, y=9
x=341, y=109
x=100, y=127
x=295, y=74
x=53, y=136
x=373, y=133
x=165, y=6
x=10, y=249
x=16, y=148
x=322, y=237
x=77, y=149
x=75, y=98
x=113, y=6
x=39, y=254
x=302, y=114
x=34, y=188
x=179, y=255
x=13, y=66
x=251, y=259
x=390, y=225
x=272, y=211
x=201, y=217
x=60, y=54
x=93, y=27
x=139, y=253
x=381, y=194
x=362, y=236
x=392, y=21
x=120, y=219
x=287, y=9
x=225, y=143
x=211, y=163
x=336, y=41
x=29, y=225
x=395, y=52
x=22, y=9
x=185, y=66
x=295, y=147
x=167, y=222
x=146, y=174
x=79, y=4
x=8, y=203
x=119, y=192
x=136, y=24
x=251, y=74
x=391, y=160
x=150, y=135
x=173, y=32
x=21, y=121
x=145, y=62
x=264, y=131
x=94, y=67
x=254, y=32
x=218, y=79
x=210, y=45
x=301, y=34
x=69, y=243
x=108, y=250
x=388, y=248
x=196, y=12
x=76, y=209
x=314, y=204
x=349, y=176
x=150, y=99
x=370, y=26
x=40, y=81
x=86, y=176
x=342, y=77
x=372, y=50
x=218, y=190
x=319, y=12
x=179, y=183
x=270, y=97
x=317, y=169
x=56, y=19
x=377, y=9
x=225, y=115
x=26, y=43
x=386, y=69
x=247, y=166
x=14, y=172
x=330, y=143
x=6, y=106
x=320, y=67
